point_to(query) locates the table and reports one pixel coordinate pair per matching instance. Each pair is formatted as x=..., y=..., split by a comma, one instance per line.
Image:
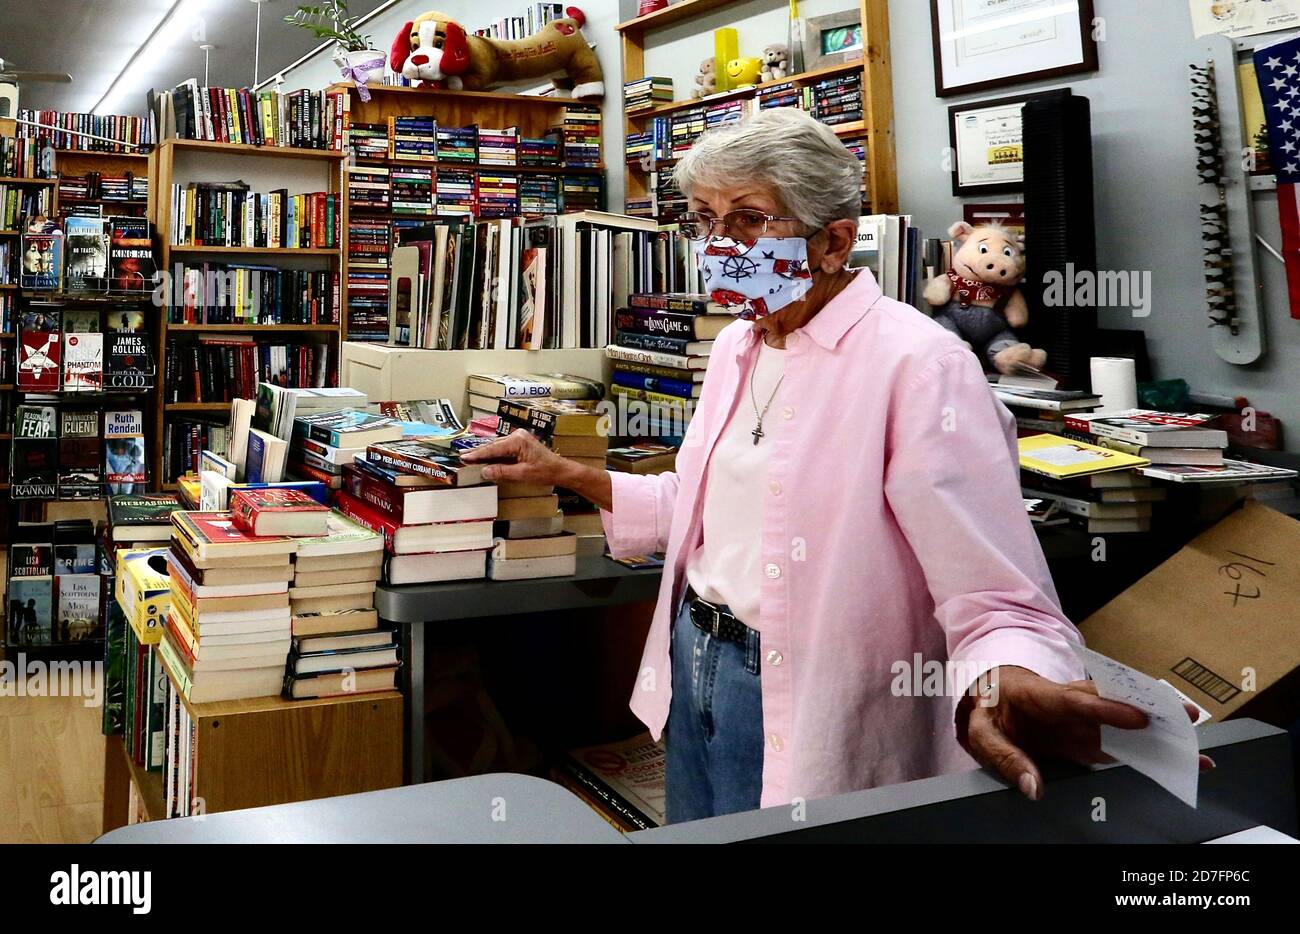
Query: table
x=1252, y=787
x=598, y=582
x=460, y=810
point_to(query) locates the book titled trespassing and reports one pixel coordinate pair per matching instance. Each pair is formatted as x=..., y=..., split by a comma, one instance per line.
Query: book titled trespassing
x=427, y=461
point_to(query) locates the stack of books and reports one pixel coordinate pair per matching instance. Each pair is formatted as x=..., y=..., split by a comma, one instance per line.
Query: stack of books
x=580, y=135
x=541, y=151
x=228, y=625
x=413, y=139
x=434, y=513
x=1039, y=408
x=785, y=94
x=329, y=441
x=726, y=112
x=413, y=191
x=576, y=430
x=369, y=188
x=498, y=195
x=369, y=246
x=687, y=126
x=639, y=147
x=645, y=94
x=457, y=191
x=835, y=100
x=1096, y=488
x=581, y=193
x=457, y=144
x=499, y=147
x=661, y=348
x=1163, y=438
x=368, y=140
x=539, y=195
x=622, y=781
x=338, y=645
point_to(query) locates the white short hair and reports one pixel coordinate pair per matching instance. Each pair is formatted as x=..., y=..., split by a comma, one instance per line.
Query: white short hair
x=806, y=165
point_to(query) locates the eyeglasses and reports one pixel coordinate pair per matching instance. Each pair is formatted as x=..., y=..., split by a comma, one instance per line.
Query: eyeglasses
x=739, y=225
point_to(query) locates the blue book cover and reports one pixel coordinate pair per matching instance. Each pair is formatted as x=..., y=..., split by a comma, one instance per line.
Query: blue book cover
x=253, y=465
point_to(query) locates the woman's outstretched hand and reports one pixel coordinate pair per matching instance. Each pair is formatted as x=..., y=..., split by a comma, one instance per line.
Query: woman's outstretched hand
x=521, y=458
x=1018, y=714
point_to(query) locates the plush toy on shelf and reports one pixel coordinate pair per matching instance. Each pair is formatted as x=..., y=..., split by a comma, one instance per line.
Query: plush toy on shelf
x=434, y=49
x=743, y=72
x=979, y=298
x=776, y=65
x=706, y=82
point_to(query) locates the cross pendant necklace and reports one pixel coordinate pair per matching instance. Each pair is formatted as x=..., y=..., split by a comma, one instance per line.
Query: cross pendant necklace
x=758, y=432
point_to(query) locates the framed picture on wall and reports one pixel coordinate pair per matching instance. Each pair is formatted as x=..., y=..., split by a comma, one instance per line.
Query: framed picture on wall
x=987, y=145
x=834, y=39
x=1008, y=214
x=980, y=45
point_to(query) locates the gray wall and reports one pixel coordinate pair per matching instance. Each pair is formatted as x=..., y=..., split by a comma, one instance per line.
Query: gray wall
x=1146, y=194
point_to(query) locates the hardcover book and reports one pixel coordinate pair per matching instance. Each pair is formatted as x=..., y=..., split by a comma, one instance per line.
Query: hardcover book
x=40, y=353
x=79, y=461
x=128, y=362
x=42, y=261
x=78, y=617
x=277, y=511
x=86, y=245
x=130, y=255
x=138, y=514
x=83, y=362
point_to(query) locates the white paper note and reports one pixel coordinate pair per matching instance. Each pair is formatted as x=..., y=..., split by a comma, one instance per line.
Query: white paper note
x=1166, y=751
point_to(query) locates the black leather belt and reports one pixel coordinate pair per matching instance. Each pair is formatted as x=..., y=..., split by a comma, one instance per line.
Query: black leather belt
x=717, y=621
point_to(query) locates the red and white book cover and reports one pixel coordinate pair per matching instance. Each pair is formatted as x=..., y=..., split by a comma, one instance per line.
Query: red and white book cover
x=246, y=505
x=40, y=356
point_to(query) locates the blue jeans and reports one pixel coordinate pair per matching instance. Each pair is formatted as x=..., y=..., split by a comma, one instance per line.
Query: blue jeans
x=715, y=725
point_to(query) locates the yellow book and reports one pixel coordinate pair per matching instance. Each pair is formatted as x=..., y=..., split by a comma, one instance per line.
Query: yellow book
x=1062, y=458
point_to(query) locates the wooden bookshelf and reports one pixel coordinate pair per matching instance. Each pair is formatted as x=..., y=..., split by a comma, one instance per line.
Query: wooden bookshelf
x=180, y=161
x=876, y=125
x=532, y=114
x=15, y=180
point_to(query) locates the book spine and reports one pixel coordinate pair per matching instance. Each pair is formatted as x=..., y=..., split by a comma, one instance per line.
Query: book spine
x=654, y=342
x=388, y=500
x=679, y=303
x=664, y=323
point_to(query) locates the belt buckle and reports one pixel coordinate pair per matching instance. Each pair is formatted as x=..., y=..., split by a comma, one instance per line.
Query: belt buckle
x=717, y=622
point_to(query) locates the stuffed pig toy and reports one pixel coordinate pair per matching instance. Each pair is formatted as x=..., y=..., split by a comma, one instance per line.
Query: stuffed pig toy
x=979, y=298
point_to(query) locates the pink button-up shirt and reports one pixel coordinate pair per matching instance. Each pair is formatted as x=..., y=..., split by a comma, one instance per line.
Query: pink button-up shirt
x=894, y=540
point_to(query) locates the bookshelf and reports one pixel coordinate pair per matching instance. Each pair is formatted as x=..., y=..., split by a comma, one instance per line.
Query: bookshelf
x=533, y=115
x=875, y=129
x=76, y=163
x=264, y=169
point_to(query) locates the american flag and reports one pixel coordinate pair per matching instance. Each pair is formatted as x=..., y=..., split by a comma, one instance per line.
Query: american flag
x=1278, y=69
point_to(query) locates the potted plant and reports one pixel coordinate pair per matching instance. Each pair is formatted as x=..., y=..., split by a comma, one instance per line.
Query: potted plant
x=357, y=59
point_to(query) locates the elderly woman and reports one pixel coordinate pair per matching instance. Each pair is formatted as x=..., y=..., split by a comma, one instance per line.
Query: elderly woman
x=845, y=519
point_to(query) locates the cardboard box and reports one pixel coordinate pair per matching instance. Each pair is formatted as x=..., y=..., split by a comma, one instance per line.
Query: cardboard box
x=1220, y=620
x=144, y=591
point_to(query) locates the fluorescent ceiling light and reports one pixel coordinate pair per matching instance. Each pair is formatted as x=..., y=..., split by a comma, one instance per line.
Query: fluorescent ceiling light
x=180, y=20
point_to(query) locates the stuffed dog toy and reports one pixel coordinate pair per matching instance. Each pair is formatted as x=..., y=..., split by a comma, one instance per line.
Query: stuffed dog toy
x=979, y=298
x=435, y=49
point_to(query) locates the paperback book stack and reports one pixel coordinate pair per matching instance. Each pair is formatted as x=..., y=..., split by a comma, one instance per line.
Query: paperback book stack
x=580, y=136
x=687, y=126
x=434, y=513
x=1039, y=409
x=413, y=139
x=725, y=113
x=1163, y=438
x=581, y=193
x=227, y=631
x=484, y=391
x=369, y=246
x=835, y=101
x=499, y=147
x=539, y=195
x=661, y=351
x=1097, y=488
x=541, y=152
x=785, y=94
x=368, y=140
x=326, y=443
x=498, y=195
x=639, y=148
x=457, y=144
x=530, y=540
x=369, y=188
x=457, y=191
x=335, y=627
x=413, y=190
x=644, y=94
x=578, y=431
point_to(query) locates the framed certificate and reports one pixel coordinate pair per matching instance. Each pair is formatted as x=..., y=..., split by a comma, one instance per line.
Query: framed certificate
x=987, y=140
x=980, y=45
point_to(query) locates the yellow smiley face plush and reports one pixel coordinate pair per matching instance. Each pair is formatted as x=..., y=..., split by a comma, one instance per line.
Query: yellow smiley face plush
x=743, y=71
